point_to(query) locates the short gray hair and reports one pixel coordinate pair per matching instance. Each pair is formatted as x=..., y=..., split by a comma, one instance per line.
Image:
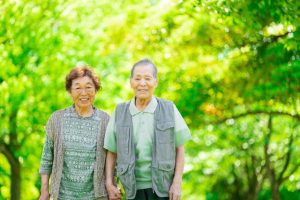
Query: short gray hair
x=145, y=61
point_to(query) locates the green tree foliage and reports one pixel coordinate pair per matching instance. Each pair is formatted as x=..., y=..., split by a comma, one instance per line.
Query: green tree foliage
x=260, y=77
x=231, y=67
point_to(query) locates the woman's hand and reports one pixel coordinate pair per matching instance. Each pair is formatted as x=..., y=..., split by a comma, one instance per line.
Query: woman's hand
x=114, y=192
x=45, y=195
x=44, y=187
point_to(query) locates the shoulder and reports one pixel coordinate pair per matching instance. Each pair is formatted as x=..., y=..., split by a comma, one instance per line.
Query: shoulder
x=57, y=115
x=124, y=104
x=54, y=121
x=103, y=114
x=164, y=101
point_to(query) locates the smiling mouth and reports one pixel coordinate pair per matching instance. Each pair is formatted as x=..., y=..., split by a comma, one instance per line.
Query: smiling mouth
x=84, y=99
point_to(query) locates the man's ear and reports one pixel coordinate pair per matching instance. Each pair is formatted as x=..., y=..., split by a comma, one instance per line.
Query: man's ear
x=130, y=82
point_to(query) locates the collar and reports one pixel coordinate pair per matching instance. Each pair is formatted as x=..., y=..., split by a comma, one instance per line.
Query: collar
x=73, y=113
x=149, y=109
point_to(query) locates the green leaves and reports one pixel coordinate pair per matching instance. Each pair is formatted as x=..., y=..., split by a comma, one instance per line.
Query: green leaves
x=220, y=61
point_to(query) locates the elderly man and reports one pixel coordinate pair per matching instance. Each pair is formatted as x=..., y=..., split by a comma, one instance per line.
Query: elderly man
x=145, y=136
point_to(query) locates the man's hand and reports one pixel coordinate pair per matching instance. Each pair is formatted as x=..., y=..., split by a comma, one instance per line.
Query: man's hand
x=175, y=190
x=114, y=192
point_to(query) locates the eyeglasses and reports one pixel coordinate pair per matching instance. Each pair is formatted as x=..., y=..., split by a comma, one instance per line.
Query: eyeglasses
x=86, y=89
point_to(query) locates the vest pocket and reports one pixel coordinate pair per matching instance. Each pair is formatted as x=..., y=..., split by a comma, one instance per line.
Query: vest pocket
x=165, y=125
x=163, y=177
x=122, y=169
x=166, y=166
x=165, y=132
x=165, y=143
x=127, y=178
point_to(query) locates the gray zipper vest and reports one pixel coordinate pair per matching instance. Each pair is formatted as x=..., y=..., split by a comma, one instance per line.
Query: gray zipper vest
x=164, y=151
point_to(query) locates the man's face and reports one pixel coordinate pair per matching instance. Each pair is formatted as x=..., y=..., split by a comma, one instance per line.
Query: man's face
x=143, y=82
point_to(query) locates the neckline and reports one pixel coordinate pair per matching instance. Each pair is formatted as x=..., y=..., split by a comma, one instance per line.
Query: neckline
x=83, y=117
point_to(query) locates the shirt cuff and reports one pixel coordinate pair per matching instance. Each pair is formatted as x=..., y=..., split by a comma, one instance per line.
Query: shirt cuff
x=108, y=148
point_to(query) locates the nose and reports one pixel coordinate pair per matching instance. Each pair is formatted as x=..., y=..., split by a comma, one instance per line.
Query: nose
x=143, y=82
x=83, y=91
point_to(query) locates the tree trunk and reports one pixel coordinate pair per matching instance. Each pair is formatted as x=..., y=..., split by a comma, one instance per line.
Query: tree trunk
x=15, y=175
x=275, y=191
x=10, y=148
x=15, y=187
x=270, y=170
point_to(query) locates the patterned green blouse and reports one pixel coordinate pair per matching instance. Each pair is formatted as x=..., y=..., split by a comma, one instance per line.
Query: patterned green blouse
x=79, y=139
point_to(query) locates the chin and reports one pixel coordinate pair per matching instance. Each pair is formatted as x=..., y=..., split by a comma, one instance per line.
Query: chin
x=84, y=105
x=142, y=97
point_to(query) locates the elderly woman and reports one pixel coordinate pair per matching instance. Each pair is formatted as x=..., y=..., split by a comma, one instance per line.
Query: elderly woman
x=73, y=153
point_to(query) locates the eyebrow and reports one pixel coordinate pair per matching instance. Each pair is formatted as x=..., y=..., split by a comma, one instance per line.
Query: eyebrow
x=89, y=83
x=147, y=75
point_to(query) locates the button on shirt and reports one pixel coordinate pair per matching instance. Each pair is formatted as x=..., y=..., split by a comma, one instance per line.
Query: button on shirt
x=143, y=131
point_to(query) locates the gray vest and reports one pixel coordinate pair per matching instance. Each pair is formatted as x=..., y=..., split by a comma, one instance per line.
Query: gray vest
x=164, y=150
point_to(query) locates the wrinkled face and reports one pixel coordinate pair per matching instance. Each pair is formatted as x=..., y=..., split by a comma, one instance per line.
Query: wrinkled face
x=143, y=82
x=83, y=92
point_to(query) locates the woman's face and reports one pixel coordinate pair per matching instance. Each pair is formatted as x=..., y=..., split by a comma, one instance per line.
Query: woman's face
x=143, y=82
x=83, y=92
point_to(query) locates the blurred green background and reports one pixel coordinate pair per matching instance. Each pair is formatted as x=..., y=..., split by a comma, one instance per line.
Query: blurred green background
x=232, y=67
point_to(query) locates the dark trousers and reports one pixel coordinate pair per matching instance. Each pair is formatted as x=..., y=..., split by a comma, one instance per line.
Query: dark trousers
x=148, y=194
